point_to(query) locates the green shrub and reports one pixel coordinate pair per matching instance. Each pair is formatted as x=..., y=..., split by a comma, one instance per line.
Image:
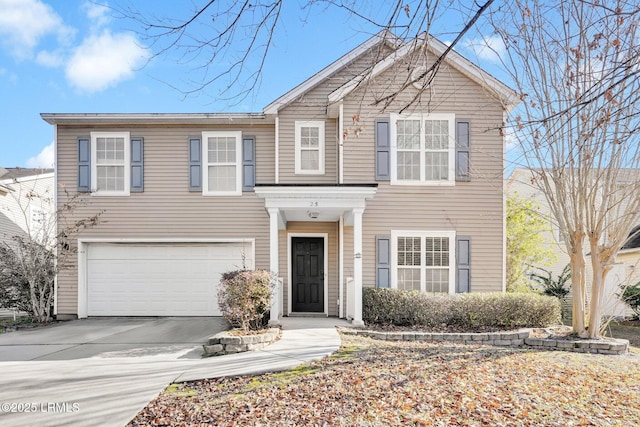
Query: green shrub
x=466, y=311
x=557, y=287
x=631, y=296
x=244, y=297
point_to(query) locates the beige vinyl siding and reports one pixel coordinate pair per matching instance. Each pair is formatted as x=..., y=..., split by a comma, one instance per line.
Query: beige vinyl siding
x=313, y=106
x=473, y=209
x=287, y=149
x=331, y=228
x=166, y=209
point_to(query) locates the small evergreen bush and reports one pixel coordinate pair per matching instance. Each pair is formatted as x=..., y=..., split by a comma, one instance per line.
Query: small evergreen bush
x=465, y=311
x=558, y=287
x=244, y=297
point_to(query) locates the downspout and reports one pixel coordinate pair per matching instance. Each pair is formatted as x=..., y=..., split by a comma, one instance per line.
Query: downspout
x=55, y=212
x=341, y=264
x=277, y=148
x=504, y=212
x=341, y=146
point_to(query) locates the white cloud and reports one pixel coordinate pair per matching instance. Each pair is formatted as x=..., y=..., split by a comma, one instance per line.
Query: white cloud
x=50, y=59
x=487, y=48
x=45, y=159
x=104, y=60
x=23, y=23
x=510, y=137
x=98, y=13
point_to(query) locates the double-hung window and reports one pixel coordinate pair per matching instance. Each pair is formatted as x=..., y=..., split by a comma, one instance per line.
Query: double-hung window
x=222, y=171
x=111, y=165
x=423, y=149
x=423, y=261
x=309, y=140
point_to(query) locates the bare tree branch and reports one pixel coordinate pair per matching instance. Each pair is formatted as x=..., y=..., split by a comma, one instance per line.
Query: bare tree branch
x=228, y=43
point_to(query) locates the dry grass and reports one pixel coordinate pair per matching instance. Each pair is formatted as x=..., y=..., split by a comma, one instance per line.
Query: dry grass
x=383, y=383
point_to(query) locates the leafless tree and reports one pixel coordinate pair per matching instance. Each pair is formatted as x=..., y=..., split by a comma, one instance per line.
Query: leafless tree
x=30, y=260
x=576, y=65
x=227, y=42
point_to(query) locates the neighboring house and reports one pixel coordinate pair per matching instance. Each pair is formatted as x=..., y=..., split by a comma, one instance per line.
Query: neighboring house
x=26, y=202
x=623, y=272
x=322, y=187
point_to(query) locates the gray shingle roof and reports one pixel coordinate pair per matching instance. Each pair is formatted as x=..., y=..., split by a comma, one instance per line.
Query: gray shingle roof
x=16, y=173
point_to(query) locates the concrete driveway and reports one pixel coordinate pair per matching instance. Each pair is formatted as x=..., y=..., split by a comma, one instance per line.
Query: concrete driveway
x=112, y=337
x=130, y=366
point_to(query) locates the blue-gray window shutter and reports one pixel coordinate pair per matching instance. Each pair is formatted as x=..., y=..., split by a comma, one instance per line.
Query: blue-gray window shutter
x=463, y=150
x=195, y=164
x=463, y=267
x=248, y=163
x=383, y=261
x=137, y=166
x=84, y=164
x=383, y=152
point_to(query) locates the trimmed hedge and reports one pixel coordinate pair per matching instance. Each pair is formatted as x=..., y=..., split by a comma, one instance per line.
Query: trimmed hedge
x=474, y=310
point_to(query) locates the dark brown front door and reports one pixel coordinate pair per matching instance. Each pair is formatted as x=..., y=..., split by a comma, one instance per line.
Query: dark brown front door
x=307, y=259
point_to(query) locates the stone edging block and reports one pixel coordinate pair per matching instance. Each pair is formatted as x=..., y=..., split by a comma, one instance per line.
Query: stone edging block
x=226, y=343
x=519, y=338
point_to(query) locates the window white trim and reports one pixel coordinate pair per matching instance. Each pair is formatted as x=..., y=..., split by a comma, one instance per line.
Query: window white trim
x=319, y=124
x=205, y=163
x=94, y=163
x=422, y=235
x=451, y=169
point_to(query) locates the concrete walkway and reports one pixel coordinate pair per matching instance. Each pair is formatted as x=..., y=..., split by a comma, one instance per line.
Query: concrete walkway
x=111, y=391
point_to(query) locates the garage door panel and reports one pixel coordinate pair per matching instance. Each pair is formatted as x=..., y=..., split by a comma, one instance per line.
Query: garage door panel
x=159, y=279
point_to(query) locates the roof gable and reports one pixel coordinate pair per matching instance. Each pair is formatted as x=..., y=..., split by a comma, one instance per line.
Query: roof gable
x=495, y=87
x=319, y=77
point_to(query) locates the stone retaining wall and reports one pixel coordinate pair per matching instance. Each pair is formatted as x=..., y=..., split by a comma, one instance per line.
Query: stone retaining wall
x=518, y=338
x=226, y=343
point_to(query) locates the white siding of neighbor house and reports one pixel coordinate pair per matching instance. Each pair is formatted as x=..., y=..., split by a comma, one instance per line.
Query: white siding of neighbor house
x=15, y=206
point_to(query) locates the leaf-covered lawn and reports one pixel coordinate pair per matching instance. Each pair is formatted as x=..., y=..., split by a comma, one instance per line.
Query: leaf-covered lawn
x=383, y=383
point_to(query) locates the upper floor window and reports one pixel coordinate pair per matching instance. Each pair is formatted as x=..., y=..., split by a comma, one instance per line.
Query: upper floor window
x=310, y=147
x=423, y=149
x=222, y=168
x=111, y=164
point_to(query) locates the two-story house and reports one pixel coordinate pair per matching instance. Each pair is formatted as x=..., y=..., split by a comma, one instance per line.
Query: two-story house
x=325, y=187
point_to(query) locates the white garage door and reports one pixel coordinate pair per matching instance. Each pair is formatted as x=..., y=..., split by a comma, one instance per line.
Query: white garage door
x=159, y=279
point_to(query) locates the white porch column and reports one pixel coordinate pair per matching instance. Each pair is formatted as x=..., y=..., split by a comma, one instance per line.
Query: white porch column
x=357, y=266
x=273, y=265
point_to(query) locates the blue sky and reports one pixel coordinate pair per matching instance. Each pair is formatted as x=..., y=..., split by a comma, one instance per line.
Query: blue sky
x=66, y=56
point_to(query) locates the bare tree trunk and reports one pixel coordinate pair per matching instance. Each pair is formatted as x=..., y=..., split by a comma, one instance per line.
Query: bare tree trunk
x=578, y=287
x=599, y=266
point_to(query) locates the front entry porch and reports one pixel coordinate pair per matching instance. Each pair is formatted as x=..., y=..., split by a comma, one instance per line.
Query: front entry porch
x=308, y=226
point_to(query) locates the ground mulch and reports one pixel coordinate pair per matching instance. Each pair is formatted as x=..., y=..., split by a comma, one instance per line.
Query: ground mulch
x=380, y=383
